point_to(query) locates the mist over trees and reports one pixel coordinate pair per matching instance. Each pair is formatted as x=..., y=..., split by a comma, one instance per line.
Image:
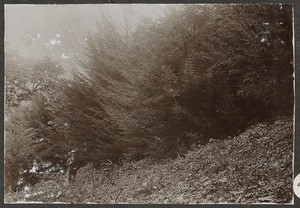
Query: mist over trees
x=152, y=90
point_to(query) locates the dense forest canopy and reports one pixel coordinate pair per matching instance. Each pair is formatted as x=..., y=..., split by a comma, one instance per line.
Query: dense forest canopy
x=149, y=89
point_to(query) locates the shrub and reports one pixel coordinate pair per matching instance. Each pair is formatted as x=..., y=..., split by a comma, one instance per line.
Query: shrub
x=18, y=151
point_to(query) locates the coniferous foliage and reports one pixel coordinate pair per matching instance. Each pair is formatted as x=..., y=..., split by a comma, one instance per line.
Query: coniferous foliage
x=19, y=153
x=213, y=69
x=198, y=72
x=97, y=139
x=227, y=74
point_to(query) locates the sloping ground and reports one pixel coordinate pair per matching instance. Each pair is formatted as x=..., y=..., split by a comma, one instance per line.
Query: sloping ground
x=254, y=167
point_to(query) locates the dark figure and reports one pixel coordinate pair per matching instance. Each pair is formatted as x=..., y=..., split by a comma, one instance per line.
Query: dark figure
x=72, y=169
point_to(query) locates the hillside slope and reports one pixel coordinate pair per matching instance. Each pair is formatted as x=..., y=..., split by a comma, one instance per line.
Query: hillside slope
x=254, y=167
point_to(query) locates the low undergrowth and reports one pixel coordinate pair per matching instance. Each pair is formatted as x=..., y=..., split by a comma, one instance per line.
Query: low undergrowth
x=254, y=167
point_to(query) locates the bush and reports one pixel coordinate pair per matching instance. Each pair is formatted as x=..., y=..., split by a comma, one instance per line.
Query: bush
x=18, y=151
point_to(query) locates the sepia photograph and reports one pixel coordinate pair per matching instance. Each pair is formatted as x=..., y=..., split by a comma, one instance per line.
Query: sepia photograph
x=149, y=103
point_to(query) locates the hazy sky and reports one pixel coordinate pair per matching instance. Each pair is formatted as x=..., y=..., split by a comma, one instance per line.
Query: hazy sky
x=57, y=31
